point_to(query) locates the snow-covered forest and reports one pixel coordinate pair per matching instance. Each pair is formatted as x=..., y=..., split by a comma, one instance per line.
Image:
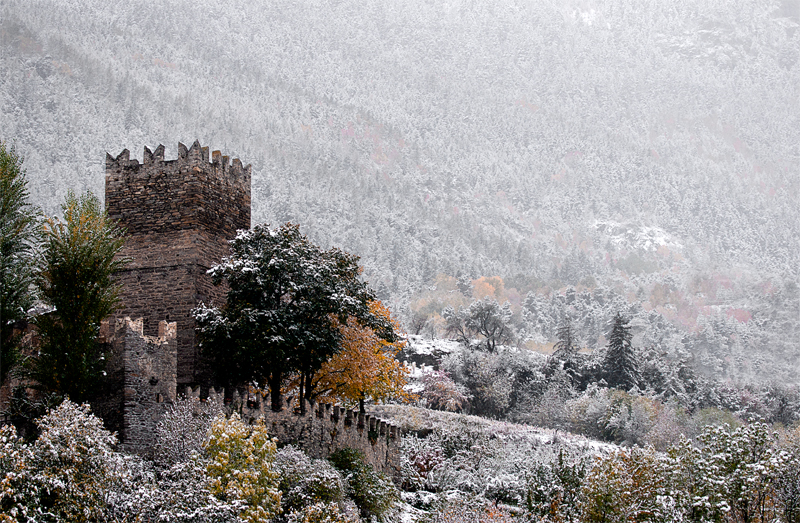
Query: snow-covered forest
x=645, y=151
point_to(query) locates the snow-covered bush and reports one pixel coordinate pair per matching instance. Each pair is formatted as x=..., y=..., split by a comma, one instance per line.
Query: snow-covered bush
x=730, y=471
x=787, y=479
x=420, y=456
x=14, y=460
x=65, y=475
x=439, y=391
x=612, y=415
x=321, y=512
x=305, y=482
x=553, y=487
x=240, y=465
x=184, y=496
x=628, y=485
x=486, y=377
x=182, y=430
x=372, y=491
x=455, y=507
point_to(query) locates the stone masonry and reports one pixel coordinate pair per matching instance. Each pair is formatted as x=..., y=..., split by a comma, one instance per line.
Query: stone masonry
x=179, y=215
x=323, y=430
x=147, y=366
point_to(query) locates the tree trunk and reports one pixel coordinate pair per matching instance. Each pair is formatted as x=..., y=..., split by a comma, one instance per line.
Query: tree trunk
x=303, y=393
x=275, y=390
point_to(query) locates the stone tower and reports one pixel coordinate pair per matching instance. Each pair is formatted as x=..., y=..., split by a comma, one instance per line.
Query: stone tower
x=179, y=215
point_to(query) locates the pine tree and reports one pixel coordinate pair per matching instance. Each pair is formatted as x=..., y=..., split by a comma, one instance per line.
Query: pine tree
x=621, y=366
x=17, y=238
x=565, y=355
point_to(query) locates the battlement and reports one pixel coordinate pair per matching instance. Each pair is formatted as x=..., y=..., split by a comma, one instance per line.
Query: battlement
x=232, y=172
x=189, y=193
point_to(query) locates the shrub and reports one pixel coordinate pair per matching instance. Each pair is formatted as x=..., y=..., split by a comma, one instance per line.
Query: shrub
x=65, y=475
x=553, y=488
x=627, y=486
x=305, y=482
x=240, y=465
x=441, y=392
x=420, y=456
x=459, y=509
x=182, y=431
x=320, y=513
x=373, y=492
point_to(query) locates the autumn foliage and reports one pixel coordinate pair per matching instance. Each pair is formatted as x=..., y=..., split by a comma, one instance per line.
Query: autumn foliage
x=366, y=367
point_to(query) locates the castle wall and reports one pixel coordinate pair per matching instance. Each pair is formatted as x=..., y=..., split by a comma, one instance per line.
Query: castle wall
x=324, y=429
x=147, y=384
x=158, y=285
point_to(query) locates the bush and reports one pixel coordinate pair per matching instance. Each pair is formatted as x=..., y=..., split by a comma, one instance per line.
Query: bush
x=441, y=392
x=182, y=431
x=628, y=486
x=65, y=474
x=320, y=513
x=306, y=482
x=420, y=457
x=373, y=492
x=553, y=488
x=240, y=465
x=460, y=509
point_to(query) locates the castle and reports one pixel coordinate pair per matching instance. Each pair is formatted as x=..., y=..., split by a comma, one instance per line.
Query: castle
x=179, y=215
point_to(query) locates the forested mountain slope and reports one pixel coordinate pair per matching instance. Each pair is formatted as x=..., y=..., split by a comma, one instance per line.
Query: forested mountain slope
x=652, y=149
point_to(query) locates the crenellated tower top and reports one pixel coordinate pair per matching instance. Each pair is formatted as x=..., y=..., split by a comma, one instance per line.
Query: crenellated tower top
x=187, y=192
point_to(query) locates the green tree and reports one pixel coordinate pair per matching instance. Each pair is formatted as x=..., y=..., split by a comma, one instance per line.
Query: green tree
x=621, y=365
x=18, y=232
x=80, y=257
x=286, y=299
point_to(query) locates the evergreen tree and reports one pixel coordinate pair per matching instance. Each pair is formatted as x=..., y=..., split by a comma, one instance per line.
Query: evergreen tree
x=76, y=280
x=565, y=355
x=621, y=366
x=17, y=238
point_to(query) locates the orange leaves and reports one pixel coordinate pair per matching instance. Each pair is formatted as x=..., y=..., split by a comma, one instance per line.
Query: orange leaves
x=366, y=368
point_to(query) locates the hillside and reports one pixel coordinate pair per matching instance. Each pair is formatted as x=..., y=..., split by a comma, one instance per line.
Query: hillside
x=649, y=153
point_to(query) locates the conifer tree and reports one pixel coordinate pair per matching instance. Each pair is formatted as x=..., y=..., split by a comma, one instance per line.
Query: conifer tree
x=621, y=366
x=565, y=354
x=77, y=280
x=18, y=234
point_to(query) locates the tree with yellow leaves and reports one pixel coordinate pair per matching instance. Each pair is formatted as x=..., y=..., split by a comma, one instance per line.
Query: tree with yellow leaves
x=366, y=367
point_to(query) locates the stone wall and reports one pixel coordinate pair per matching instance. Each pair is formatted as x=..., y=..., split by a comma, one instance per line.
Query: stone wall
x=322, y=430
x=179, y=215
x=147, y=368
